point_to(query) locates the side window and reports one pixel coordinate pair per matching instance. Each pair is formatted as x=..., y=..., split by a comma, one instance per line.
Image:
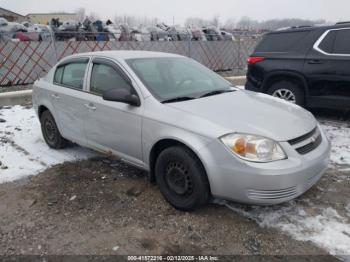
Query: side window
x=105, y=77
x=328, y=42
x=58, y=75
x=342, y=42
x=73, y=75
x=281, y=42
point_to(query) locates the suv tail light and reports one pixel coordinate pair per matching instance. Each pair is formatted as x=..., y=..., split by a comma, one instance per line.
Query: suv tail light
x=255, y=59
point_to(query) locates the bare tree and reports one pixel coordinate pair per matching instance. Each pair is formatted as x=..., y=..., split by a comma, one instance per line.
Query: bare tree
x=247, y=23
x=81, y=14
x=230, y=24
x=135, y=21
x=93, y=16
x=216, y=20
x=196, y=22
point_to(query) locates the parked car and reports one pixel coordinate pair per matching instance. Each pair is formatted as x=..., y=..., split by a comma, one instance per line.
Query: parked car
x=196, y=134
x=11, y=27
x=198, y=34
x=309, y=66
x=227, y=36
x=213, y=34
x=27, y=36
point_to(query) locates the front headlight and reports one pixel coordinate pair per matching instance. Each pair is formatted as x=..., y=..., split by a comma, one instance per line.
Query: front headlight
x=254, y=148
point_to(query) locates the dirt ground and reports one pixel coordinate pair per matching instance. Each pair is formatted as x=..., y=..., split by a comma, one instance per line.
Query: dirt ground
x=103, y=207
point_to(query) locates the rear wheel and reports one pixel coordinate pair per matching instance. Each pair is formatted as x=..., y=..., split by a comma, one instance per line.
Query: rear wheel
x=288, y=91
x=182, y=179
x=50, y=131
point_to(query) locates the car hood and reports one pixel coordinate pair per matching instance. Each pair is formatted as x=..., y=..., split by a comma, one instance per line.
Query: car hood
x=251, y=113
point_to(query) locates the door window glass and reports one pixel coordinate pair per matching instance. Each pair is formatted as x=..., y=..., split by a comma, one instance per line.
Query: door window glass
x=58, y=75
x=328, y=42
x=104, y=78
x=73, y=75
x=342, y=42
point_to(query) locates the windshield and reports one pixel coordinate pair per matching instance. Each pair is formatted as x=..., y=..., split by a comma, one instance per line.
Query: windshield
x=170, y=78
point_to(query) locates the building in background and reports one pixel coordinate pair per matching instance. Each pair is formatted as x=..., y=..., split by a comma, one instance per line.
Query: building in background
x=12, y=16
x=45, y=18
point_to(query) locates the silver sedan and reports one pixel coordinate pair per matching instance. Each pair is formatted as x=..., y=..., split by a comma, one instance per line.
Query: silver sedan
x=196, y=135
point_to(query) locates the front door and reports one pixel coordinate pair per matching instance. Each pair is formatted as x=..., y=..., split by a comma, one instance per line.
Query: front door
x=112, y=126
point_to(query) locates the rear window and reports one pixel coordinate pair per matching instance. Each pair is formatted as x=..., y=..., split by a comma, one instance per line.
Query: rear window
x=71, y=75
x=342, y=42
x=58, y=75
x=280, y=42
x=328, y=42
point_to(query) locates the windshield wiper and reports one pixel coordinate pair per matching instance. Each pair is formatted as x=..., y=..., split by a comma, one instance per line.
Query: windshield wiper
x=178, y=99
x=216, y=92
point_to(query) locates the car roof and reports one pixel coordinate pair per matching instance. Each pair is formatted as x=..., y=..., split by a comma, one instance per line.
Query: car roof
x=123, y=54
x=311, y=28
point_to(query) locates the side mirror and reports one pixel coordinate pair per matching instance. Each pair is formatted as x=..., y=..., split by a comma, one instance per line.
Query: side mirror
x=121, y=95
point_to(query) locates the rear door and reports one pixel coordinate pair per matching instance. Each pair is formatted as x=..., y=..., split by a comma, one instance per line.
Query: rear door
x=341, y=51
x=328, y=69
x=69, y=98
x=112, y=126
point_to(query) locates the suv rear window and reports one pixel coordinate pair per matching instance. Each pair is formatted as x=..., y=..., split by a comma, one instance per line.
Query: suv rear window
x=280, y=42
x=342, y=42
x=328, y=42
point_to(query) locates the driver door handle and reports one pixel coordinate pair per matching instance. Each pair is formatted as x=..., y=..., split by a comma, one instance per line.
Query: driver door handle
x=315, y=62
x=90, y=106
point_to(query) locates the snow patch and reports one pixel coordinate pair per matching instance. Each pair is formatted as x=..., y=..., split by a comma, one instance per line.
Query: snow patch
x=328, y=229
x=339, y=135
x=23, y=149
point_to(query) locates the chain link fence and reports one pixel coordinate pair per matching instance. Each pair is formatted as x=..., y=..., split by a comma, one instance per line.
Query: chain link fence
x=30, y=56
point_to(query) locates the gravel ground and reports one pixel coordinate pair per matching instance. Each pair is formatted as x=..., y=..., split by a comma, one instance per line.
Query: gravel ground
x=102, y=206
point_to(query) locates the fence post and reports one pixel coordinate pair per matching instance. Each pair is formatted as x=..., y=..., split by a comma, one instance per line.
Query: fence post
x=239, y=55
x=53, y=44
x=189, y=45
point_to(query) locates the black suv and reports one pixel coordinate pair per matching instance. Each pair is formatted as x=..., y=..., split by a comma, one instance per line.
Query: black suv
x=309, y=66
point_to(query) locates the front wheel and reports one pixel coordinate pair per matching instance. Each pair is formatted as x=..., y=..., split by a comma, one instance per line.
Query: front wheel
x=182, y=179
x=288, y=91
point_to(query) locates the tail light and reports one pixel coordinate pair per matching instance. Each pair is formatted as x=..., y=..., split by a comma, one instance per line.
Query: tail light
x=255, y=59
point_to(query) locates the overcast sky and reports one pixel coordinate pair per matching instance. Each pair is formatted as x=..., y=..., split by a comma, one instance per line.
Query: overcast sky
x=331, y=10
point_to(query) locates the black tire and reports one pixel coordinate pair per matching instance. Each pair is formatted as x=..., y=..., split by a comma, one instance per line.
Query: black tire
x=182, y=179
x=50, y=131
x=292, y=87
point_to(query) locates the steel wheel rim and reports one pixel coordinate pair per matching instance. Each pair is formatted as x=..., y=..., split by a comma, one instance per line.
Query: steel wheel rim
x=50, y=130
x=178, y=179
x=285, y=94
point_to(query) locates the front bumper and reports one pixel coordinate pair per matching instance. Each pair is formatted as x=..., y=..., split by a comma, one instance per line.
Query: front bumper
x=264, y=183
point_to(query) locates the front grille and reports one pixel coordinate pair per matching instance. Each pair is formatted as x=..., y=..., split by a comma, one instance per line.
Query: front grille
x=310, y=147
x=272, y=194
x=308, y=142
x=302, y=138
